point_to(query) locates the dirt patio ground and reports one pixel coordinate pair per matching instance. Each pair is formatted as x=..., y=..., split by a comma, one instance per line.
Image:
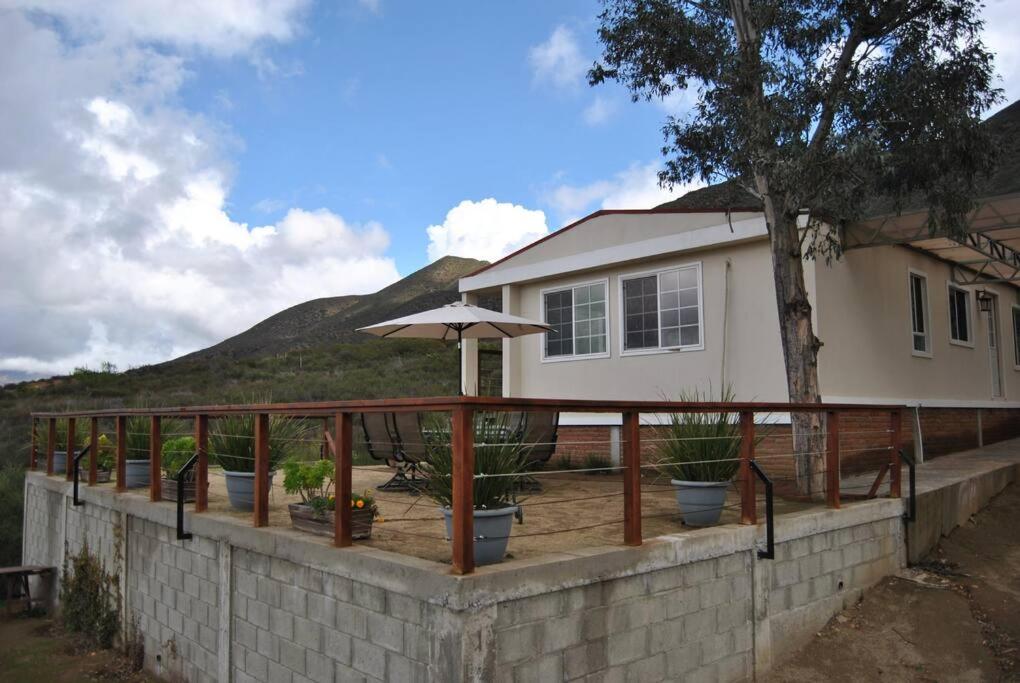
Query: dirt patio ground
x=955, y=617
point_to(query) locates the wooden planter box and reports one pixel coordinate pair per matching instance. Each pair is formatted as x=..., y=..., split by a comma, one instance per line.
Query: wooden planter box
x=103, y=476
x=170, y=490
x=303, y=517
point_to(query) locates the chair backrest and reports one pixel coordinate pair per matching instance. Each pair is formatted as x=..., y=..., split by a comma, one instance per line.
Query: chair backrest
x=394, y=436
x=408, y=430
x=539, y=435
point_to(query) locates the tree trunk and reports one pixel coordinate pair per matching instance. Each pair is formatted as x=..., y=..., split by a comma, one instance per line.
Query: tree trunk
x=800, y=345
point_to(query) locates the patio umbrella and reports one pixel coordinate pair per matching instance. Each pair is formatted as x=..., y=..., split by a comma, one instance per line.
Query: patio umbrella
x=458, y=321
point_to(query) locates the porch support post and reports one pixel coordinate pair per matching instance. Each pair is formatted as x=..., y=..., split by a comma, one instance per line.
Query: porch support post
x=748, y=508
x=93, y=451
x=895, y=443
x=202, y=466
x=469, y=358
x=463, y=451
x=261, y=512
x=51, y=444
x=33, y=456
x=342, y=463
x=71, y=443
x=631, y=478
x=832, y=459
x=155, y=460
x=121, y=452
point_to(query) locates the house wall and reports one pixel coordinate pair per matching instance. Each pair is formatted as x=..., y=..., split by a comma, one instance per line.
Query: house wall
x=747, y=355
x=864, y=323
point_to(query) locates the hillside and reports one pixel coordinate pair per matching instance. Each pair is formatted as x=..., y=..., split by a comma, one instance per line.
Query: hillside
x=334, y=320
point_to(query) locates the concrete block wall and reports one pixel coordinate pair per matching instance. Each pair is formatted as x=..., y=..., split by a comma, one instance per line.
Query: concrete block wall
x=100, y=526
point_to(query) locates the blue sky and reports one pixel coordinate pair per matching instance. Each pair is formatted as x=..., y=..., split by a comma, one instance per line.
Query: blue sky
x=174, y=171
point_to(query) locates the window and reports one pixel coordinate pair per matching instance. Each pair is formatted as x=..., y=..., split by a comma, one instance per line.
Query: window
x=959, y=316
x=1016, y=337
x=919, y=314
x=662, y=310
x=577, y=316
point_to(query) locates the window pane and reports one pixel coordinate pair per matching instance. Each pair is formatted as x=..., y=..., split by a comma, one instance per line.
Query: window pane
x=689, y=335
x=688, y=277
x=558, y=314
x=641, y=318
x=689, y=316
x=688, y=297
x=598, y=292
x=672, y=318
x=669, y=300
x=582, y=329
x=1016, y=337
x=669, y=281
x=671, y=337
x=583, y=345
x=581, y=295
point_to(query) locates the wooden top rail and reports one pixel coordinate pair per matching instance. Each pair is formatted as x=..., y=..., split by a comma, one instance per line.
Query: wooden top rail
x=323, y=409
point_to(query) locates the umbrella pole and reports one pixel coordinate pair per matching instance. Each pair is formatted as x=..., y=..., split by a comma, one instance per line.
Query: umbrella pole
x=460, y=363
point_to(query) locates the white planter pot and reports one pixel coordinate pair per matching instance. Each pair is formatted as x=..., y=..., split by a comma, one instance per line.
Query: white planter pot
x=136, y=474
x=59, y=462
x=492, y=532
x=700, y=502
x=241, y=489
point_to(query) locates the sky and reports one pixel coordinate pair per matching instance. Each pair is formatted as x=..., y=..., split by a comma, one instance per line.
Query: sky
x=174, y=171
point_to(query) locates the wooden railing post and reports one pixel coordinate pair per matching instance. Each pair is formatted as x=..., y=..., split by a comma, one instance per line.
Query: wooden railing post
x=895, y=476
x=93, y=451
x=121, y=453
x=51, y=444
x=202, y=466
x=631, y=478
x=261, y=516
x=832, y=459
x=71, y=443
x=463, y=452
x=33, y=456
x=342, y=464
x=155, y=460
x=748, y=506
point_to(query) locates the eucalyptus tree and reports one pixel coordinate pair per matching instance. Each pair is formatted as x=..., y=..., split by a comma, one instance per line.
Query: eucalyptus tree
x=817, y=109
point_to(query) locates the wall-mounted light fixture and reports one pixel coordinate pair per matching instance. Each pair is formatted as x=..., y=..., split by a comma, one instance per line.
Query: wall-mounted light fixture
x=984, y=301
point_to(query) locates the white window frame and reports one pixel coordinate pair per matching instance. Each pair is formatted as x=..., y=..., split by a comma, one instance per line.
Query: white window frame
x=622, y=324
x=574, y=356
x=1014, y=311
x=911, y=272
x=950, y=287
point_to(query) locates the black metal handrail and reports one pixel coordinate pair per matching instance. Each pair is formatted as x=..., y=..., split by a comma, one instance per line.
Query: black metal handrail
x=181, y=474
x=911, y=513
x=770, y=528
x=75, y=460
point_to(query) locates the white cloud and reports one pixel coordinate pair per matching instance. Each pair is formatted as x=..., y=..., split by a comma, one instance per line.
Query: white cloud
x=118, y=241
x=599, y=111
x=1002, y=24
x=636, y=187
x=486, y=230
x=558, y=61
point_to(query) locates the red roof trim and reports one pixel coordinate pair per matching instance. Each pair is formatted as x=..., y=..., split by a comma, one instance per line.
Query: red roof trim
x=609, y=212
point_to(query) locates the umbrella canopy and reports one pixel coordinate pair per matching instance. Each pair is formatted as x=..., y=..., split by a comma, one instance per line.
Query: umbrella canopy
x=457, y=321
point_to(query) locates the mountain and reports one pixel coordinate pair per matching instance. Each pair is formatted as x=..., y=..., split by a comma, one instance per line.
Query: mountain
x=334, y=320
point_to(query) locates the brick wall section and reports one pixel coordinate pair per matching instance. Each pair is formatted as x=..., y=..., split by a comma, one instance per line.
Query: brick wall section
x=173, y=594
x=691, y=622
x=293, y=624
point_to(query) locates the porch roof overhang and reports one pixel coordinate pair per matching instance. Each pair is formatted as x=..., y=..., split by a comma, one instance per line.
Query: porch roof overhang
x=987, y=252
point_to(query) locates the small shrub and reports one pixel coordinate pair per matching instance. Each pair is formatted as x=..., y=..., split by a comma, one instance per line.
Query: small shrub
x=176, y=452
x=88, y=599
x=703, y=447
x=597, y=461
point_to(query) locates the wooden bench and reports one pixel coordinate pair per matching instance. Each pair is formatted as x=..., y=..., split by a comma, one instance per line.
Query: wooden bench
x=13, y=579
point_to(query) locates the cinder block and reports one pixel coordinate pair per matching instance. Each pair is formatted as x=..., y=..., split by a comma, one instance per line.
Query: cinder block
x=852, y=555
x=682, y=660
x=292, y=656
x=649, y=670
x=281, y=674
x=386, y=631
x=518, y=643
x=666, y=636
x=404, y=608
x=627, y=646
x=734, y=668
x=308, y=633
x=256, y=666
x=368, y=658
x=416, y=643
x=700, y=624
x=832, y=560
x=547, y=668
x=810, y=567
x=623, y=589
x=681, y=602
x=268, y=591
x=584, y=659
x=352, y=620
x=699, y=572
x=281, y=623
x=294, y=600
x=785, y=573
x=318, y=667
x=732, y=615
x=338, y=646
x=369, y=597
x=716, y=592
x=283, y=570
x=322, y=610
x=562, y=632
x=269, y=645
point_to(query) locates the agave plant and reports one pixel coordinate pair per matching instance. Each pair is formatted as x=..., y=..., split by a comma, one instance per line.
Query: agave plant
x=499, y=452
x=702, y=447
x=232, y=443
x=138, y=431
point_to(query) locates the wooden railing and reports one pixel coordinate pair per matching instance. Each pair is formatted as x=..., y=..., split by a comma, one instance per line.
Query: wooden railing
x=340, y=444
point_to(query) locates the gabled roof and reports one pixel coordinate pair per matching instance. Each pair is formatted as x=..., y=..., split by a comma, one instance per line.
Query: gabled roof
x=729, y=195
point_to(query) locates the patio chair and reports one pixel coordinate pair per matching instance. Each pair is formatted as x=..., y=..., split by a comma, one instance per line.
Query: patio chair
x=396, y=439
x=538, y=433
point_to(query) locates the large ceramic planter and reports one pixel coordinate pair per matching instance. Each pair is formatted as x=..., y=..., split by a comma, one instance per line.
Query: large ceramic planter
x=136, y=474
x=492, y=532
x=169, y=488
x=103, y=476
x=305, y=518
x=701, y=502
x=59, y=462
x=241, y=489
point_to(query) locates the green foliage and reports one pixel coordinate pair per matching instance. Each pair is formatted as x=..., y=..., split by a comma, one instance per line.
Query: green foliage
x=232, y=440
x=815, y=104
x=12, y=480
x=176, y=452
x=313, y=480
x=595, y=461
x=498, y=451
x=700, y=446
x=88, y=599
x=136, y=440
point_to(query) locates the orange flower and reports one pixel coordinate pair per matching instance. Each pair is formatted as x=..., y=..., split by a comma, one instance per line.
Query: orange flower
x=361, y=503
x=352, y=503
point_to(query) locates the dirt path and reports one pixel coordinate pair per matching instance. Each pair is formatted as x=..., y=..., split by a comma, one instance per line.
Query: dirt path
x=956, y=617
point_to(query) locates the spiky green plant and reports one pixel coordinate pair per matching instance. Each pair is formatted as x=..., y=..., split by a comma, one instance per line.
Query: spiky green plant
x=703, y=447
x=232, y=440
x=499, y=451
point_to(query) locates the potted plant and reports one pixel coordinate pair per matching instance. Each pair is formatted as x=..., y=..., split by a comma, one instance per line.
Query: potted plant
x=60, y=456
x=499, y=451
x=136, y=459
x=176, y=452
x=316, y=512
x=701, y=452
x=106, y=460
x=232, y=444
